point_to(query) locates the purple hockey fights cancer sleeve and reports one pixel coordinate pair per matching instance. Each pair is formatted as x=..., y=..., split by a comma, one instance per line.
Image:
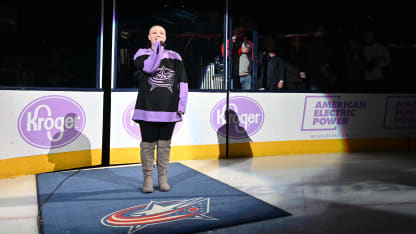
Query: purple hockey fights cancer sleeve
x=153, y=61
x=183, y=96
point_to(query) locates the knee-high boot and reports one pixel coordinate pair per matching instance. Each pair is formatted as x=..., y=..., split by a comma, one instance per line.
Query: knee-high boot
x=147, y=155
x=163, y=156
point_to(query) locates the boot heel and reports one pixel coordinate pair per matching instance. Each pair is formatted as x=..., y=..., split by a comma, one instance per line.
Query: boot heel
x=163, y=183
x=148, y=184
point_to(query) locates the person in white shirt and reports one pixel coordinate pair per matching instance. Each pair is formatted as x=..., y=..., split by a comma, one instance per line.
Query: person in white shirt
x=377, y=58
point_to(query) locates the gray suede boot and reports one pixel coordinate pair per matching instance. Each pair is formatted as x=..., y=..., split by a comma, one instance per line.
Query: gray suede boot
x=163, y=155
x=147, y=155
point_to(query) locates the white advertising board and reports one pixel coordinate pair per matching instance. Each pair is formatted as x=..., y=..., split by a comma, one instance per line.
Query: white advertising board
x=263, y=117
x=47, y=122
x=308, y=116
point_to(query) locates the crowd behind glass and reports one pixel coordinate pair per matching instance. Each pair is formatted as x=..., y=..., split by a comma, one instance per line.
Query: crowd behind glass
x=40, y=51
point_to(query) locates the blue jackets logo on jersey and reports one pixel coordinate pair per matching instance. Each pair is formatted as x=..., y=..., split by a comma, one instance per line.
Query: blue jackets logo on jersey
x=163, y=77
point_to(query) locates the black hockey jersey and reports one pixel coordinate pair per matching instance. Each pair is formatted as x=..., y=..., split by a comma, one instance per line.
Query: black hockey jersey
x=163, y=86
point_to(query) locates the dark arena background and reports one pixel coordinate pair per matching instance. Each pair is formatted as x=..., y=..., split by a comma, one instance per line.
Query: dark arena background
x=301, y=117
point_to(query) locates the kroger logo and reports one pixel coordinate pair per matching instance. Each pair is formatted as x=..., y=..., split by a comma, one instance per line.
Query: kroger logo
x=133, y=128
x=246, y=117
x=51, y=122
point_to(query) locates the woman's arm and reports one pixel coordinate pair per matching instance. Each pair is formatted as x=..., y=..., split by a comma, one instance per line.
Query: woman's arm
x=148, y=60
x=183, y=87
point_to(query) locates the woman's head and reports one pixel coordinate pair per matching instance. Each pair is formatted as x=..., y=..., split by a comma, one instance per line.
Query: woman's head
x=157, y=33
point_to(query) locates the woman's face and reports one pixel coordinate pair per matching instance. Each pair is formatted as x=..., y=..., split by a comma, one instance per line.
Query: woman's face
x=157, y=33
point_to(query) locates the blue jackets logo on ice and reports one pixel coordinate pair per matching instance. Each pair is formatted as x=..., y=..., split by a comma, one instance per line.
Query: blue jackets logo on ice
x=153, y=213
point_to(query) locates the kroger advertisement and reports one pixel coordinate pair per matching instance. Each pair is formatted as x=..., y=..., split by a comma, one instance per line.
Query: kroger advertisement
x=204, y=121
x=47, y=122
x=263, y=117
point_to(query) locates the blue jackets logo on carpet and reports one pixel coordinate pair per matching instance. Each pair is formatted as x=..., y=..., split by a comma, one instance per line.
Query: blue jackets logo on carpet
x=153, y=213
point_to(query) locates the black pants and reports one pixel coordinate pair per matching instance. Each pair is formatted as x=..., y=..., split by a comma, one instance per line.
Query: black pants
x=153, y=131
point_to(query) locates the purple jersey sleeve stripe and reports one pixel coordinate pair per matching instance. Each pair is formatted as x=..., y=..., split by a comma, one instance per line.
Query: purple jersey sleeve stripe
x=141, y=52
x=183, y=96
x=156, y=116
x=171, y=55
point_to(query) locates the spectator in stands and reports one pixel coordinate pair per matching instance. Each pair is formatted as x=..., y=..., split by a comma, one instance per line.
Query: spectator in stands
x=377, y=59
x=354, y=67
x=319, y=57
x=295, y=64
x=245, y=66
x=272, y=68
x=240, y=43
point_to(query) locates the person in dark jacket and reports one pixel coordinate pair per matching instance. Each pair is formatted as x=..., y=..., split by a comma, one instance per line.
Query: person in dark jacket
x=161, y=102
x=295, y=64
x=272, y=73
